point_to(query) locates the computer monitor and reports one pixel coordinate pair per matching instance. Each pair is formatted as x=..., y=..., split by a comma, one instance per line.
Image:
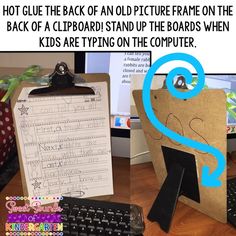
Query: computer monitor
x=120, y=66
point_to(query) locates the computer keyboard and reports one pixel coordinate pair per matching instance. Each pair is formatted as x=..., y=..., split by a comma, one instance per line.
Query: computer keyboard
x=84, y=217
x=231, y=201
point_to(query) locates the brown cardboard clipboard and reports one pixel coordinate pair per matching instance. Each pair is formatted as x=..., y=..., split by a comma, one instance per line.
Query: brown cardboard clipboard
x=86, y=78
x=202, y=118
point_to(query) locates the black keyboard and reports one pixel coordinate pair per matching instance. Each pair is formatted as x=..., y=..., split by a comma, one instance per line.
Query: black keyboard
x=231, y=201
x=84, y=217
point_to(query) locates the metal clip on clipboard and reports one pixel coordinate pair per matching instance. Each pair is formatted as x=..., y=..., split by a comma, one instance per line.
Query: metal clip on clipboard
x=62, y=82
x=180, y=83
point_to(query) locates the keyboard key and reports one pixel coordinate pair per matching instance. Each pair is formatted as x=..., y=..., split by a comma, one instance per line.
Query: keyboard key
x=100, y=230
x=74, y=233
x=126, y=232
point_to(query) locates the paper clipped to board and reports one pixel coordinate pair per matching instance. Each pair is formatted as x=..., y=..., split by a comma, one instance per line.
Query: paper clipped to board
x=65, y=143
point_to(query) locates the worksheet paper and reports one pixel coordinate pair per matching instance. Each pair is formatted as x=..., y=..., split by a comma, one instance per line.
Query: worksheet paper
x=65, y=143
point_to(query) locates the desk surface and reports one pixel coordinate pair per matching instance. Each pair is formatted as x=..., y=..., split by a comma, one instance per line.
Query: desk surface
x=144, y=187
x=186, y=221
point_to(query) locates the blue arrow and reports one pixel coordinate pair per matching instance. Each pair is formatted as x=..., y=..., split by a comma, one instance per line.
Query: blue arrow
x=208, y=179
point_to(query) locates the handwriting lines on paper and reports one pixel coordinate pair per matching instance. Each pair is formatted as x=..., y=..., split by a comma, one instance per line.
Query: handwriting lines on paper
x=66, y=142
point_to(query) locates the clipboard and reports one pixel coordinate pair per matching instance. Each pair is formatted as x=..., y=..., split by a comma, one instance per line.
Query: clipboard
x=63, y=84
x=202, y=118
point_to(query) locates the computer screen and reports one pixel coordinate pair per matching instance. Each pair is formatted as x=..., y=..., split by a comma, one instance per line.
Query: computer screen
x=120, y=66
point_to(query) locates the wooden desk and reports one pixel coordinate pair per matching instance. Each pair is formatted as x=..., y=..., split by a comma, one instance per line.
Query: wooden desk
x=186, y=221
x=144, y=187
x=121, y=173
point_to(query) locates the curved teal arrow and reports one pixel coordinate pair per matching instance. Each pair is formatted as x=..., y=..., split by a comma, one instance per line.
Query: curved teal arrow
x=208, y=179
